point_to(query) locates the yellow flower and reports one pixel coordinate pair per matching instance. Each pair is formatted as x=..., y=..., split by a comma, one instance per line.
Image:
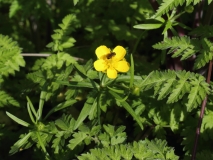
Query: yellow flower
x=111, y=62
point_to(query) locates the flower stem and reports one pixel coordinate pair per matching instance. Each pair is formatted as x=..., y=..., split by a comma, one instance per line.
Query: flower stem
x=137, y=42
x=98, y=109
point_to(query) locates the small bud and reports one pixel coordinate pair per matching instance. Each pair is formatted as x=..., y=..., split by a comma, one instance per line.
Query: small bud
x=189, y=9
x=136, y=91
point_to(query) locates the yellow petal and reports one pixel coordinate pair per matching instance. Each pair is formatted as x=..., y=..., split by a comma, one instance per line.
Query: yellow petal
x=100, y=65
x=120, y=53
x=121, y=66
x=102, y=51
x=111, y=73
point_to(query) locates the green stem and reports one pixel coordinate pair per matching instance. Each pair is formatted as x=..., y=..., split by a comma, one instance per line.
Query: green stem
x=98, y=109
x=209, y=14
x=137, y=42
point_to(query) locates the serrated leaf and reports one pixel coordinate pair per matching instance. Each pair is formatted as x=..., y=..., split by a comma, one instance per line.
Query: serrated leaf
x=6, y=99
x=77, y=139
x=165, y=90
x=117, y=140
x=180, y=88
x=15, y=148
x=167, y=5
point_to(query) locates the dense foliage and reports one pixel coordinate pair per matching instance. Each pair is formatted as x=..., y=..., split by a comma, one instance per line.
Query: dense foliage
x=55, y=105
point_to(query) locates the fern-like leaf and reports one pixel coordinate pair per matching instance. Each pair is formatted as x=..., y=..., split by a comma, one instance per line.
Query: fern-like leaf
x=202, y=31
x=166, y=88
x=157, y=146
x=61, y=40
x=14, y=7
x=6, y=99
x=146, y=149
x=207, y=125
x=11, y=58
x=55, y=68
x=207, y=155
x=197, y=92
x=168, y=5
x=77, y=140
x=179, y=46
x=64, y=129
x=205, y=54
x=21, y=144
x=176, y=85
x=181, y=88
x=186, y=47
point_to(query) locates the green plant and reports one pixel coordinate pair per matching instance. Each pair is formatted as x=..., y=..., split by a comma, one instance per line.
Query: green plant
x=138, y=106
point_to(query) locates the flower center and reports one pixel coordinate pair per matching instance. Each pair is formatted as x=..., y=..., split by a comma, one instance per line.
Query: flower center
x=110, y=55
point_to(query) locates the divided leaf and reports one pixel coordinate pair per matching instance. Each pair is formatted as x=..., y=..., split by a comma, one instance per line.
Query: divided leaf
x=77, y=140
x=146, y=149
x=175, y=85
x=185, y=47
x=11, y=58
x=61, y=38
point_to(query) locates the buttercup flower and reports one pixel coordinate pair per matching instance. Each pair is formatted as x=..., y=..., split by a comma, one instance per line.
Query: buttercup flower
x=111, y=62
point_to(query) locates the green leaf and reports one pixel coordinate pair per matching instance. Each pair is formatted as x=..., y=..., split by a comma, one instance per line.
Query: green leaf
x=14, y=7
x=116, y=90
x=202, y=31
x=30, y=108
x=197, y=94
x=75, y=2
x=15, y=148
x=66, y=123
x=154, y=150
x=41, y=104
x=180, y=89
x=86, y=110
x=126, y=153
x=11, y=59
x=60, y=106
x=40, y=142
x=91, y=84
x=6, y=100
x=78, y=138
x=69, y=43
x=30, y=114
x=204, y=154
x=128, y=108
x=19, y=121
x=167, y=5
x=166, y=88
x=61, y=37
x=179, y=46
x=132, y=70
x=147, y=26
x=80, y=68
x=205, y=55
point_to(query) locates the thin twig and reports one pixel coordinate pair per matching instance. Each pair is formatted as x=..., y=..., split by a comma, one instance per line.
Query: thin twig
x=35, y=54
x=45, y=55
